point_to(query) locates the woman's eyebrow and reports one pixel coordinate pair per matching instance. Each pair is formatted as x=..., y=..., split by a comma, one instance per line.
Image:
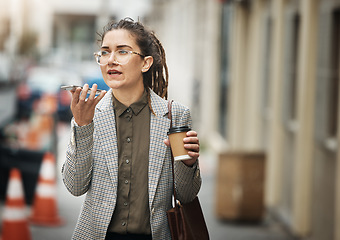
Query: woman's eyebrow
x=118, y=46
x=124, y=46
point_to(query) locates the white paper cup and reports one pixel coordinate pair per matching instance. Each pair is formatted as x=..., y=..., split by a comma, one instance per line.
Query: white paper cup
x=176, y=136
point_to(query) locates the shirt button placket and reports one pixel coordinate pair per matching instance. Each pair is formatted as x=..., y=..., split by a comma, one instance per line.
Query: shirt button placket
x=127, y=167
x=129, y=115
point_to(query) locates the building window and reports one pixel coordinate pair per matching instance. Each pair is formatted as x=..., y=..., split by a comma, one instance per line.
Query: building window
x=224, y=75
x=334, y=78
x=266, y=67
x=293, y=75
x=291, y=72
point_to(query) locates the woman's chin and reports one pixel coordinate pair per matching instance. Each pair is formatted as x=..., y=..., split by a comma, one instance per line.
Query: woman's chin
x=114, y=84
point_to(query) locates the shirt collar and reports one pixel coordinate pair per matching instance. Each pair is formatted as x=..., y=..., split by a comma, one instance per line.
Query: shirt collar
x=136, y=107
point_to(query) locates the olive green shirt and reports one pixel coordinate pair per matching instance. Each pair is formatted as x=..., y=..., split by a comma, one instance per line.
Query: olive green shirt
x=132, y=213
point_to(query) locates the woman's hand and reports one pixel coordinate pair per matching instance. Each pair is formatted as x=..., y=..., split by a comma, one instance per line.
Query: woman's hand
x=82, y=108
x=191, y=143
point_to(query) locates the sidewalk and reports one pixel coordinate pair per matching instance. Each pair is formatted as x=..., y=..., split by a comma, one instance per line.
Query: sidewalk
x=69, y=207
x=222, y=230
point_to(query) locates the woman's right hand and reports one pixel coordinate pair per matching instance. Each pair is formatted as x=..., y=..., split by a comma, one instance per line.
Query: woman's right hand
x=82, y=108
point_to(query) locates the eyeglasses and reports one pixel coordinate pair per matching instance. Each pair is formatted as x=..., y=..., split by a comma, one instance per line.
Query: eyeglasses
x=120, y=56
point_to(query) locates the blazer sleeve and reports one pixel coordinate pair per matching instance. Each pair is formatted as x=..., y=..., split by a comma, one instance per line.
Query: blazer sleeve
x=187, y=179
x=77, y=169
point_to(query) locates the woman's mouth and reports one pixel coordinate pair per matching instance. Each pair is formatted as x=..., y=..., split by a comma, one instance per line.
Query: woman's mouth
x=114, y=72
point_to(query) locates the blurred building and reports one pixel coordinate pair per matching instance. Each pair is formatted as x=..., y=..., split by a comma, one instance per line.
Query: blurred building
x=284, y=99
x=54, y=34
x=190, y=32
x=263, y=75
x=59, y=29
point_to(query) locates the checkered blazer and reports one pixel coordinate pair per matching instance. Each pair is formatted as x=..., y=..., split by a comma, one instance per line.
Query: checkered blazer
x=91, y=167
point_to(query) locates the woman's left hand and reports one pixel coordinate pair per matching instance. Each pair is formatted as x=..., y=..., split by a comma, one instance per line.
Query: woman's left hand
x=191, y=143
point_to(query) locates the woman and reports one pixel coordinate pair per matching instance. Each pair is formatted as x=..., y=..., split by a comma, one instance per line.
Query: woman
x=118, y=153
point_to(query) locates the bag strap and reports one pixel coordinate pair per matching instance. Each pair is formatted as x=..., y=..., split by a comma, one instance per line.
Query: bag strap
x=170, y=112
x=172, y=157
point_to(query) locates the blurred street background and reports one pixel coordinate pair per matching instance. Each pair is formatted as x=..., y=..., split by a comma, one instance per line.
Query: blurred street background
x=261, y=78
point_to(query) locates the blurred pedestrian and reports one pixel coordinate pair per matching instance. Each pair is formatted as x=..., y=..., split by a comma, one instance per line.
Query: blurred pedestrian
x=119, y=154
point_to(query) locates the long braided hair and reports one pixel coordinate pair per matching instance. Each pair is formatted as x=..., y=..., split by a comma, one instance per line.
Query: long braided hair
x=157, y=76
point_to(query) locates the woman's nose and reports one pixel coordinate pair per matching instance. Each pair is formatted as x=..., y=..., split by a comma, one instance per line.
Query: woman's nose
x=112, y=59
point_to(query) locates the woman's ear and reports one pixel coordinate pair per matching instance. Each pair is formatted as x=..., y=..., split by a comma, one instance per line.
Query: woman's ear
x=148, y=61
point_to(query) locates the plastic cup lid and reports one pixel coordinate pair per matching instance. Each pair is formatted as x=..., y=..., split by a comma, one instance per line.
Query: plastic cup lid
x=178, y=129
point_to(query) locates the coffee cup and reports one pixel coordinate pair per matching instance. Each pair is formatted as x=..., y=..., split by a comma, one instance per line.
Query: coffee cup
x=176, y=136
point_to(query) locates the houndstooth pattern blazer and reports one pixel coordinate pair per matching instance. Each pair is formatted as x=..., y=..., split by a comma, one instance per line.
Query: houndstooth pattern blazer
x=91, y=167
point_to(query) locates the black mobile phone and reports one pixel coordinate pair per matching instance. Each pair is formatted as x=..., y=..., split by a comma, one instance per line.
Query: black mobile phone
x=73, y=87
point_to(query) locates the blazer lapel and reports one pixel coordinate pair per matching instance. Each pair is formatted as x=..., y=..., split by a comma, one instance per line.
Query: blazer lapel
x=159, y=125
x=107, y=134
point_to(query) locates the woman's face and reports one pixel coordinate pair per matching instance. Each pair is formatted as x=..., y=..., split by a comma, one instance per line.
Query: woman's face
x=123, y=76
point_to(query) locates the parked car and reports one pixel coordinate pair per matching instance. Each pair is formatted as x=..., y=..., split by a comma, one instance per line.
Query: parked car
x=46, y=81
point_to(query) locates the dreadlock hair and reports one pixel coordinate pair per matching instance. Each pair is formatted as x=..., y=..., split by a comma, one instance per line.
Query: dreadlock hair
x=157, y=76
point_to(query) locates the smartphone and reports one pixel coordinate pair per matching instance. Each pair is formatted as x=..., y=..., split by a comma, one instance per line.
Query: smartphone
x=73, y=87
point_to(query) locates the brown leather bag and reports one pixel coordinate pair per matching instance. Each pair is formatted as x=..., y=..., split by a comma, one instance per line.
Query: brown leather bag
x=186, y=221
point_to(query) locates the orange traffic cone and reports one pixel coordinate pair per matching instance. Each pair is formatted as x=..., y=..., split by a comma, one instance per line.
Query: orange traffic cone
x=15, y=223
x=44, y=210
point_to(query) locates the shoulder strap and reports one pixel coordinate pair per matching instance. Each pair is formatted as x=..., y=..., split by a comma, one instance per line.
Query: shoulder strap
x=170, y=113
x=172, y=157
